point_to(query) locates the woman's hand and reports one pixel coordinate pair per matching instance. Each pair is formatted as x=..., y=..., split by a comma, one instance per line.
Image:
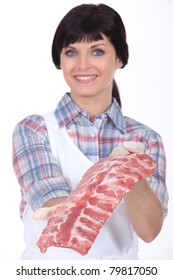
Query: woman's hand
x=48, y=209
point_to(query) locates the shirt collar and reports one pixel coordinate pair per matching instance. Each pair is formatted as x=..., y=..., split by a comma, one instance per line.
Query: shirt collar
x=115, y=114
x=68, y=110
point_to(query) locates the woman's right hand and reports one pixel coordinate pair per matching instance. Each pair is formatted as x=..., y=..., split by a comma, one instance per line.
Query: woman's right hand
x=48, y=209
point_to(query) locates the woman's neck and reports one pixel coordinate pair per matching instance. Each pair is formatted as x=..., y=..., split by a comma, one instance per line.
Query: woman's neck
x=93, y=106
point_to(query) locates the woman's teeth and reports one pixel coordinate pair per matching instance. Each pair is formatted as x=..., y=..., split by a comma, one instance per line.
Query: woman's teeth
x=85, y=78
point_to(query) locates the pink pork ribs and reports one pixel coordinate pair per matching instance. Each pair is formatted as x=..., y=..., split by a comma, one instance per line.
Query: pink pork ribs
x=76, y=222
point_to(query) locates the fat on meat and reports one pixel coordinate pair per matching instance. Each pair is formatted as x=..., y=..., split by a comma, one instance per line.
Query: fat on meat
x=77, y=221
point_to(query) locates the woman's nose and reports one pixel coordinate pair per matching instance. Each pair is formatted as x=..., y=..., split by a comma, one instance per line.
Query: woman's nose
x=83, y=62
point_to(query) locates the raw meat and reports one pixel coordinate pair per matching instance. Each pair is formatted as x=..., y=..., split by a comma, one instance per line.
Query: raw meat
x=77, y=221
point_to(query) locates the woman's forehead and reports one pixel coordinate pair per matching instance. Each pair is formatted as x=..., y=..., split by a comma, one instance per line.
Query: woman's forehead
x=84, y=37
x=92, y=43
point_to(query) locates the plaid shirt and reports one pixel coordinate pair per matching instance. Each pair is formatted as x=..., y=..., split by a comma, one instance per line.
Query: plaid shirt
x=38, y=172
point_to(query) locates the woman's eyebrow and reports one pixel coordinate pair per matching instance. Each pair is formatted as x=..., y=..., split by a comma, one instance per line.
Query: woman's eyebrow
x=98, y=45
x=92, y=46
x=70, y=46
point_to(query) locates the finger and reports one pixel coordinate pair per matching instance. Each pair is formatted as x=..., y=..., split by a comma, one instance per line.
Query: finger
x=134, y=146
x=119, y=151
x=42, y=213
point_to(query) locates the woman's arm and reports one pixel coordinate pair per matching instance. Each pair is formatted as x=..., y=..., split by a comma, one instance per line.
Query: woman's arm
x=145, y=211
x=54, y=201
x=143, y=203
x=147, y=202
x=37, y=171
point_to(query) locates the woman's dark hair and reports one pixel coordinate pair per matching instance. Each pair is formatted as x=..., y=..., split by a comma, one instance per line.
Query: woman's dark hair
x=88, y=22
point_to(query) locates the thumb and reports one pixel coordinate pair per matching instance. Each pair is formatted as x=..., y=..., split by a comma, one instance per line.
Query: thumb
x=134, y=146
x=44, y=213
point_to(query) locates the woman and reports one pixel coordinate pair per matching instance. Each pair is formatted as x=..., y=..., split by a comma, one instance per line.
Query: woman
x=52, y=152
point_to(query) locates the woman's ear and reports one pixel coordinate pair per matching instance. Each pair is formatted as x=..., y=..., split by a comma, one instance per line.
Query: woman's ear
x=119, y=63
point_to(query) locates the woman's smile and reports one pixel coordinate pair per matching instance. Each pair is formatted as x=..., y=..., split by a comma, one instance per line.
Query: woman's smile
x=89, y=68
x=85, y=78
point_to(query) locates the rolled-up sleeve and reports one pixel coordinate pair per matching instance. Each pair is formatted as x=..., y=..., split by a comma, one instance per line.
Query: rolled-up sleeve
x=155, y=148
x=37, y=170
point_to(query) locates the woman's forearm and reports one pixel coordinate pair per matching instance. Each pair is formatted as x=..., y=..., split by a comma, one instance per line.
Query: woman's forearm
x=145, y=211
x=54, y=201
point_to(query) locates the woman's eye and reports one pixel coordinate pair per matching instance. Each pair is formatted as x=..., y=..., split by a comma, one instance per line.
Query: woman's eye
x=70, y=53
x=98, y=52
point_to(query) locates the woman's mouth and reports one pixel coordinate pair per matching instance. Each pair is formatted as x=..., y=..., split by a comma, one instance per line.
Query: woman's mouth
x=85, y=79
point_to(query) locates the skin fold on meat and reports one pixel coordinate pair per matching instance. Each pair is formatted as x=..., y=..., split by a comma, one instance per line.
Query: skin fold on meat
x=77, y=221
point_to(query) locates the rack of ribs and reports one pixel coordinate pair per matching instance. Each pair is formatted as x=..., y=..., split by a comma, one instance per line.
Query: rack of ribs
x=77, y=221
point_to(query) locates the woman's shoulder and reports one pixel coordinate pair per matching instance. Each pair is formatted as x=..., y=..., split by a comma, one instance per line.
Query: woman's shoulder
x=132, y=126
x=31, y=123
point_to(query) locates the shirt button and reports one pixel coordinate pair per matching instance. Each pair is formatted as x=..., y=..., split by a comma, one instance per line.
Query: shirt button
x=97, y=125
x=92, y=134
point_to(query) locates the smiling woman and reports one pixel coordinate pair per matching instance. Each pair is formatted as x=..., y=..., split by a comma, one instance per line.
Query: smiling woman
x=94, y=24
x=89, y=70
x=52, y=152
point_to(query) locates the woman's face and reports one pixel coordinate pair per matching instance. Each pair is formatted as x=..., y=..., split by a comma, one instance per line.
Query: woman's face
x=89, y=67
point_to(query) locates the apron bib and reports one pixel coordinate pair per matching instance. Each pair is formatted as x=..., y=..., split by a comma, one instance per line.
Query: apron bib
x=116, y=239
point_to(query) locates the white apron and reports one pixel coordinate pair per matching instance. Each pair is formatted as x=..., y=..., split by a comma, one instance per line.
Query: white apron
x=116, y=239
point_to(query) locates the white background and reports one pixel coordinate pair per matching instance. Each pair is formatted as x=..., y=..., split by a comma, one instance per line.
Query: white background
x=30, y=84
